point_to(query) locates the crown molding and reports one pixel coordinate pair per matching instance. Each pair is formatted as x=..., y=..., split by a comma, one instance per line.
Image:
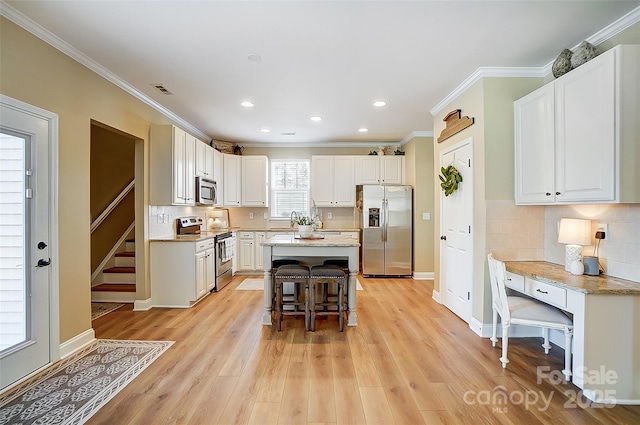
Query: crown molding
x=601, y=36
x=39, y=31
x=406, y=139
x=375, y=145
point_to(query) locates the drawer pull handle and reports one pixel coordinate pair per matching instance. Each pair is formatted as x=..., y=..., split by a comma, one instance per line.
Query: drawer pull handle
x=541, y=291
x=509, y=278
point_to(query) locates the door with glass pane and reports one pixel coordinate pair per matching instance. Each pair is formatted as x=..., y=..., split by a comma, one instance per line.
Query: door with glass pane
x=24, y=239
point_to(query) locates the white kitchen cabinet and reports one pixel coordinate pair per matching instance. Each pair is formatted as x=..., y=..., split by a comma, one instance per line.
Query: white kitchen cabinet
x=232, y=180
x=332, y=180
x=383, y=169
x=255, y=181
x=171, y=166
x=204, y=160
x=246, y=251
x=218, y=176
x=181, y=273
x=575, y=137
x=259, y=237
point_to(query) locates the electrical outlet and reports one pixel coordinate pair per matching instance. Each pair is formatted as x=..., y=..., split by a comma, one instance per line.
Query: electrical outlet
x=160, y=218
x=329, y=216
x=602, y=227
x=265, y=216
x=250, y=216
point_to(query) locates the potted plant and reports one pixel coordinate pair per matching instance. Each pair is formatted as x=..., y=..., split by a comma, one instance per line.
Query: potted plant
x=305, y=226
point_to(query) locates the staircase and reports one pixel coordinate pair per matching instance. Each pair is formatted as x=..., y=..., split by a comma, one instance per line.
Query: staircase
x=118, y=283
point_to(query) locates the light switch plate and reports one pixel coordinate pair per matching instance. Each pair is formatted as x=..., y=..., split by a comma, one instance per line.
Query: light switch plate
x=426, y=216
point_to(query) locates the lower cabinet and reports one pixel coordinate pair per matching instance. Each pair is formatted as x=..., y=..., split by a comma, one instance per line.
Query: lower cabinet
x=181, y=272
x=250, y=251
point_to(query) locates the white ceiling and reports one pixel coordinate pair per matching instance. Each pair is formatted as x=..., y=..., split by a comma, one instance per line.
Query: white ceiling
x=326, y=58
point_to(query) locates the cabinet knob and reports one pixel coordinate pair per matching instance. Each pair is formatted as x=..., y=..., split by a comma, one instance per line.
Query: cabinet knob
x=557, y=193
x=443, y=238
x=548, y=193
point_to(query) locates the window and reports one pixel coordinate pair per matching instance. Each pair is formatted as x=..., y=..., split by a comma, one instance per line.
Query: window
x=289, y=188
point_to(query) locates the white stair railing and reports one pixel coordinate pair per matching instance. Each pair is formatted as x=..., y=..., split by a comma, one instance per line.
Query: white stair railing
x=112, y=206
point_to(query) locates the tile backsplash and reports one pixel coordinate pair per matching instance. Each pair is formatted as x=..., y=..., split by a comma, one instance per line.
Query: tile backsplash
x=619, y=253
x=162, y=218
x=515, y=233
x=530, y=233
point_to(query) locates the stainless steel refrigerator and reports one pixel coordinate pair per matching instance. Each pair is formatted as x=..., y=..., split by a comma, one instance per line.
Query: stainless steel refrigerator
x=386, y=230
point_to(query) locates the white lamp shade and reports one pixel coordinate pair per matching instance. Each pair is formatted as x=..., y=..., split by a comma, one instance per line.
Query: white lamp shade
x=575, y=231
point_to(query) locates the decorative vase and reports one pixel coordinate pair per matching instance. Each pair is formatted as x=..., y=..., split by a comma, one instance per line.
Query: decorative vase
x=305, y=230
x=584, y=53
x=562, y=64
x=577, y=268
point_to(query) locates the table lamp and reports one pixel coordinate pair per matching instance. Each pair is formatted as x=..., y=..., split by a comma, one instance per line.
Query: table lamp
x=575, y=233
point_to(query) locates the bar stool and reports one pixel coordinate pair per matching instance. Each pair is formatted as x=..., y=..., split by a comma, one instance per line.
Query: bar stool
x=327, y=291
x=299, y=276
x=324, y=275
x=274, y=268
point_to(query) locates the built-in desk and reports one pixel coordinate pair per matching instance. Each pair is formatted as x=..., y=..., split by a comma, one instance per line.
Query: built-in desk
x=311, y=251
x=606, y=319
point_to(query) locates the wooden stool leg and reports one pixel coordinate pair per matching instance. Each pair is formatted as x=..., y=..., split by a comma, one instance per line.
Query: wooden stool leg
x=341, y=304
x=312, y=303
x=279, y=306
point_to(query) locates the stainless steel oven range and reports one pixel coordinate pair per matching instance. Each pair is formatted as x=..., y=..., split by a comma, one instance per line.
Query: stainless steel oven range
x=224, y=259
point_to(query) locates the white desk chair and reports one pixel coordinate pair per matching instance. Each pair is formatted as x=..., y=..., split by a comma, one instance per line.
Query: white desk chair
x=525, y=311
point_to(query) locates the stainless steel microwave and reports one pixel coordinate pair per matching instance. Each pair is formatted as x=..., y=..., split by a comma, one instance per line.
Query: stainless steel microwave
x=205, y=191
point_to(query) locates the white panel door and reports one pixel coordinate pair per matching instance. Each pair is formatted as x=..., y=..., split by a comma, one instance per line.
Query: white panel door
x=27, y=316
x=456, y=253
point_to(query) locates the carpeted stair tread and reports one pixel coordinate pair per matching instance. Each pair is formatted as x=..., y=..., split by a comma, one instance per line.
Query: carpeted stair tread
x=114, y=287
x=120, y=269
x=126, y=254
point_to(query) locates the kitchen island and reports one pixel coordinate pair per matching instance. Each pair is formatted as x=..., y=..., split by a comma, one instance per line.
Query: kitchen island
x=311, y=251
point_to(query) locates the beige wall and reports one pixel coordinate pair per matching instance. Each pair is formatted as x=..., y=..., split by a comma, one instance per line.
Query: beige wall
x=36, y=73
x=419, y=174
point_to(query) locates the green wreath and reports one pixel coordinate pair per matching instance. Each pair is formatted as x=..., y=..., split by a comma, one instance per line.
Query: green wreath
x=449, y=178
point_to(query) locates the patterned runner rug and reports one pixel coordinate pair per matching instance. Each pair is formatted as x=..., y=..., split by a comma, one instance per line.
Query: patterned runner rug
x=100, y=309
x=73, y=389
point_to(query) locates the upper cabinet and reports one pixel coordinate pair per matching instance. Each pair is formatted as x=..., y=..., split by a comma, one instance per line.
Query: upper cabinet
x=232, y=180
x=218, y=176
x=204, y=160
x=171, y=166
x=576, y=137
x=332, y=180
x=255, y=181
x=374, y=169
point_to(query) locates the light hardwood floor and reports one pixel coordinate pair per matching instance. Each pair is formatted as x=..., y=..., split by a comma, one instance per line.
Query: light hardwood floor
x=410, y=361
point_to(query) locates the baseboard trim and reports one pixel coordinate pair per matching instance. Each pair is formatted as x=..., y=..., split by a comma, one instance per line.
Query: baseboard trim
x=435, y=295
x=77, y=342
x=142, y=305
x=477, y=327
x=423, y=275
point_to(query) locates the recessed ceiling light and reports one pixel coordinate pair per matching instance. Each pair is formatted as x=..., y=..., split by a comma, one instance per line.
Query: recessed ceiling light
x=254, y=57
x=316, y=118
x=363, y=130
x=247, y=104
x=379, y=103
x=265, y=130
x=288, y=134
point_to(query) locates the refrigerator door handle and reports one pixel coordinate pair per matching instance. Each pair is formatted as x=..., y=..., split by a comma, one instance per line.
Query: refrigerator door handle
x=385, y=221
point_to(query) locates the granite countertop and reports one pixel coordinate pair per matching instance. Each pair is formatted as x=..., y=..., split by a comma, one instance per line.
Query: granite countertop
x=190, y=238
x=555, y=274
x=288, y=229
x=328, y=240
